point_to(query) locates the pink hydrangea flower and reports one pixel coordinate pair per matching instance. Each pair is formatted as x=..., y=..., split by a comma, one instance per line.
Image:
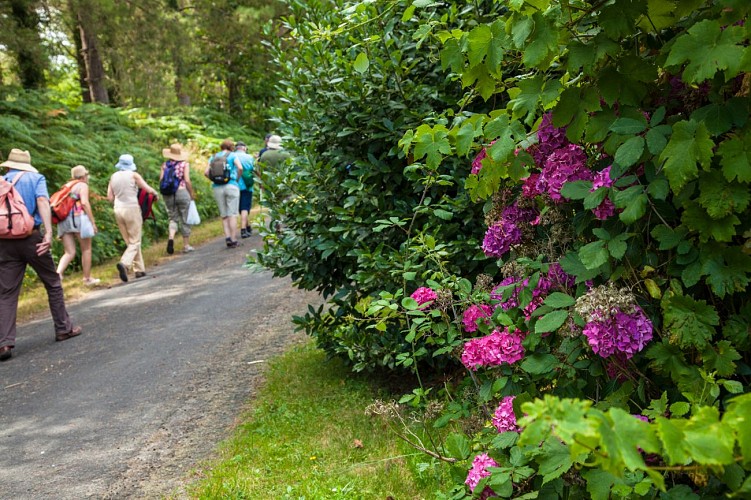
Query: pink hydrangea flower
x=495, y=349
x=479, y=470
x=619, y=333
x=423, y=295
x=566, y=164
x=606, y=209
x=504, y=418
x=477, y=162
x=473, y=313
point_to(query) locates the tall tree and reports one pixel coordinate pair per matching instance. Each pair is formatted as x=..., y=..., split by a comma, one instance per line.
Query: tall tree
x=26, y=44
x=84, y=13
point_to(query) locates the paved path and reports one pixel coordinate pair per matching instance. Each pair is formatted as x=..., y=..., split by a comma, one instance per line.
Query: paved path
x=162, y=369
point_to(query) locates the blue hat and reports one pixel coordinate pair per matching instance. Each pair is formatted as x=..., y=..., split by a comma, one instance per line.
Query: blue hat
x=126, y=163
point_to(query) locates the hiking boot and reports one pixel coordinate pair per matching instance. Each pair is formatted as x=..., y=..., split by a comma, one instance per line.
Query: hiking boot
x=74, y=332
x=140, y=274
x=6, y=353
x=170, y=247
x=233, y=244
x=244, y=233
x=249, y=231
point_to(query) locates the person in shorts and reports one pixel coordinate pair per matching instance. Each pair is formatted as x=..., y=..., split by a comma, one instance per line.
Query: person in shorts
x=79, y=225
x=227, y=195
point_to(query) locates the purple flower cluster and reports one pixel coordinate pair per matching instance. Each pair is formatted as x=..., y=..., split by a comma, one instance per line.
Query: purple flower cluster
x=549, y=139
x=423, y=295
x=513, y=300
x=479, y=471
x=504, y=418
x=503, y=234
x=473, y=313
x=495, y=349
x=566, y=164
x=619, y=332
x=605, y=209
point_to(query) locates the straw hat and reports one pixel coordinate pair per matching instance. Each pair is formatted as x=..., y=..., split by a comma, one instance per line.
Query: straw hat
x=78, y=172
x=275, y=142
x=125, y=162
x=175, y=152
x=19, y=160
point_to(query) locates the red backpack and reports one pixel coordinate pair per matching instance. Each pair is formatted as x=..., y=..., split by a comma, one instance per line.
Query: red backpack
x=61, y=202
x=15, y=221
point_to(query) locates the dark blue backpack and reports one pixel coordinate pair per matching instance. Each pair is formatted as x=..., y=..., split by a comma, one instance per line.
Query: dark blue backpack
x=170, y=181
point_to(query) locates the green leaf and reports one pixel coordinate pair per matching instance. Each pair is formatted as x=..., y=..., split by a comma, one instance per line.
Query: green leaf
x=443, y=214
x=697, y=219
x=668, y=237
x=410, y=304
x=558, y=300
x=457, y=446
x=594, y=255
x=432, y=143
x=576, y=190
x=539, y=363
x=556, y=460
x=628, y=126
x=671, y=435
x=656, y=141
x=544, y=43
x=689, y=145
x=721, y=198
x=679, y=409
x=708, y=47
x=551, y=321
x=707, y=440
x=689, y=322
x=736, y=157
x=362, y=63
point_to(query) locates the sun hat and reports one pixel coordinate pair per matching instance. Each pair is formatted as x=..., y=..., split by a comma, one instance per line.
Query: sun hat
x=19, y=160
x=275, y=142
x=175, y=152
x=125, y=162
x=78, y=172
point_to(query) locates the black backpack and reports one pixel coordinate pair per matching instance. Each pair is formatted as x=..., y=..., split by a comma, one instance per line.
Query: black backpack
x=170, y=182
x=219, y=169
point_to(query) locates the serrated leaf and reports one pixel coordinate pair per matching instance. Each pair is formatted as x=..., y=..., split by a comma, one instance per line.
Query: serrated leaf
x=689, y=145
x=628, y=126
x=457, y=446
x=689, y=322
x=721, y=198
x=697, y=219
x=708, y=47
x=656, y=142
x=736, y=157
x=431, y=143
x=679, y=409
x=551, y=321
x=576, y=190
x=593, y=255
x=558, y=300
x=443, y=214
x=539, y=363
x=555, y=461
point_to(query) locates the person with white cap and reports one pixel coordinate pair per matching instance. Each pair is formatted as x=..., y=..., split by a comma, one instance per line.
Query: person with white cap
x=76, y=225
x=275, y=154
x=178, y=202
x=34, y=250
x=123, y=192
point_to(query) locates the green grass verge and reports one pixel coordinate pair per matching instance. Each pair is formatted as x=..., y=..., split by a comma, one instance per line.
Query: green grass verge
x=308, y=436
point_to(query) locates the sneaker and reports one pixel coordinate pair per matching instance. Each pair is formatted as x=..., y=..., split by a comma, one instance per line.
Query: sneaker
x=249, y=231
x=74, y=332
x=188, y=249
x=244, y=233
x=170, y=247
x=91, y=281
x=123, y=273
x=233, y=244
x=140, y=274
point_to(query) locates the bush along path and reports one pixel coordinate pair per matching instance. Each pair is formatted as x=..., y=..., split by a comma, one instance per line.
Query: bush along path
x=569, y=245
x=162, y=369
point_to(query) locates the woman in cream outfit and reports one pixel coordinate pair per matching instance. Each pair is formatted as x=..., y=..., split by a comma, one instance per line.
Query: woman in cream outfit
x=70, y=228
x=123, y=191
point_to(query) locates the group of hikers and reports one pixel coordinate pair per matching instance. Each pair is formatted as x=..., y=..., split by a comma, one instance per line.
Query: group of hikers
x=28, y=213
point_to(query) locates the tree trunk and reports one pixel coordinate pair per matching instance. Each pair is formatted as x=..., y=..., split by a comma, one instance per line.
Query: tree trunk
x=80, y=61
x=27, y=44
x=95, y=77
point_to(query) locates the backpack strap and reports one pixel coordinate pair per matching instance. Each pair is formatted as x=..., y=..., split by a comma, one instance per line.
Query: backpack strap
x=15, y=179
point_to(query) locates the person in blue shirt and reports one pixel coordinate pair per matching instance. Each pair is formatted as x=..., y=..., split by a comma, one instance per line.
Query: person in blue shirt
x=227, y=195
x=34, y=250
x=246, y=164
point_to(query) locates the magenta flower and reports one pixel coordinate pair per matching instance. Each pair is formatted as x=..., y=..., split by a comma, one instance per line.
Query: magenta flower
x=606, y=209
x=566, y=164
x=423, y=295
x=477, y=162
x=495, y=349
x=479, y=470
x=619, y=332
x=504, y=418
x=473, y=313
x=500, y=237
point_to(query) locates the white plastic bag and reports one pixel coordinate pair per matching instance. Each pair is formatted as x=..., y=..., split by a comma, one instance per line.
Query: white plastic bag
x=87, y=228
x=193, y=218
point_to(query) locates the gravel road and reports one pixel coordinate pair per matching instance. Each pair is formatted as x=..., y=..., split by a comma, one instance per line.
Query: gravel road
x=163, y=368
